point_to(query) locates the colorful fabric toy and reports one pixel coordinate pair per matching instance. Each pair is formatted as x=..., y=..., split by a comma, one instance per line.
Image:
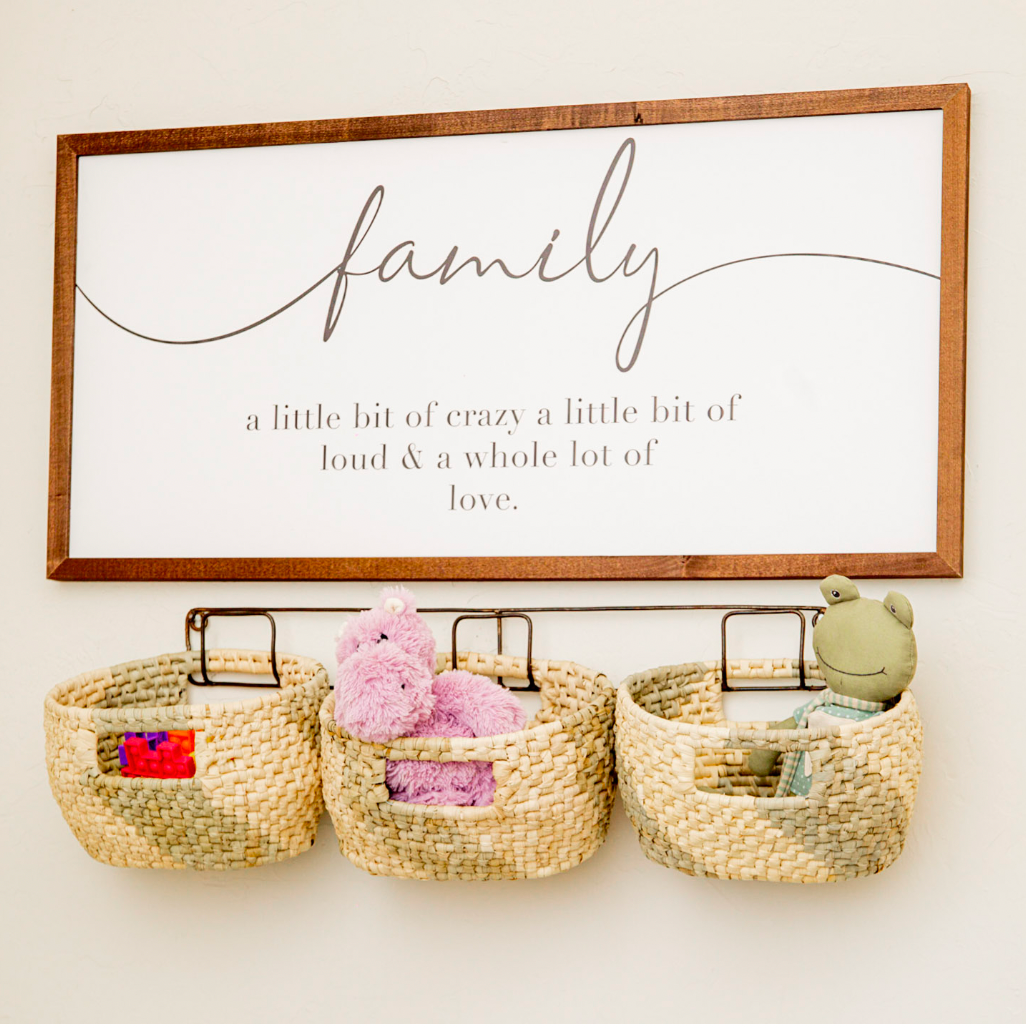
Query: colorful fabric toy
x=168, y=754
x=384, y=691
x=394, y=619
x=867, y=652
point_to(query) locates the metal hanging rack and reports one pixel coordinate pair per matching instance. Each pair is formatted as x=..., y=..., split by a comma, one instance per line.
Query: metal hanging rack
x=199, y=617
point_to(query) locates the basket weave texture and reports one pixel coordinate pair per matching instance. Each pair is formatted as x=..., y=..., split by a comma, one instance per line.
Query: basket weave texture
x=555, y=783
x=697, y=807
x=256, y=795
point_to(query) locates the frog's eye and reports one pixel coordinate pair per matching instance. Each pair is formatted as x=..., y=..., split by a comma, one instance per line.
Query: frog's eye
x=835, y=594
x=894, y=610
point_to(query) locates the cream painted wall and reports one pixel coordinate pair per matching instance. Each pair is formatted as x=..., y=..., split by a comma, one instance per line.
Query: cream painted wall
x=936, y=937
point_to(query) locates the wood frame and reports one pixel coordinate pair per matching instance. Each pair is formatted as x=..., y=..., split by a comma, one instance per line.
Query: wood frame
x=946, y=562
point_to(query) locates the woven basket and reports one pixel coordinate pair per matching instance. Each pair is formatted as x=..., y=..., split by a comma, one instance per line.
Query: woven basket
x=255, y=797
x=554, y=786
x=696, y=805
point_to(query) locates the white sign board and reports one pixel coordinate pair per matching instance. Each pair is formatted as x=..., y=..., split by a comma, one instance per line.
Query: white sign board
x=713, y=338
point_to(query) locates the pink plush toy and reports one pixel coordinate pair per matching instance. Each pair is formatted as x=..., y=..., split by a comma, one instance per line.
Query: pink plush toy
x=384, y=691
x=394, y=619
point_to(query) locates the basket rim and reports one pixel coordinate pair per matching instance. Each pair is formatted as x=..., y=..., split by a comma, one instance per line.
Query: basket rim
x=192, y=711
x=715, y=733
x=402, y=747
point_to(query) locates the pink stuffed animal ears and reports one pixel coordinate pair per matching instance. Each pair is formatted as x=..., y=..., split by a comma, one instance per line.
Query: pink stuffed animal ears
x=397, y=600
x=393, y=619
x=393, y=600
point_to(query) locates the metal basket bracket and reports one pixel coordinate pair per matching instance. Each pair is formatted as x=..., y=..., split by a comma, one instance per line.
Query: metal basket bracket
x=197, y=620
x=760, y=684
x=498, y=616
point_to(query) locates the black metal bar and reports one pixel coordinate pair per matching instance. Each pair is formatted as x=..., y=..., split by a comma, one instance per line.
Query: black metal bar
x=197, y=618
x=521, y=610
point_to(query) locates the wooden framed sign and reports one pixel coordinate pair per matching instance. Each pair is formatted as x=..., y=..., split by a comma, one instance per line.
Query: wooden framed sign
x=719, y=338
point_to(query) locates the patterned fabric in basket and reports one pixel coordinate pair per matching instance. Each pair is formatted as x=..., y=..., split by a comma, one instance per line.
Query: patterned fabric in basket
x=697, y=807
x=255, y=795
x=554, y=786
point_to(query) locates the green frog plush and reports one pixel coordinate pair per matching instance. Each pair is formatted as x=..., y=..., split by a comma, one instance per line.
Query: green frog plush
x=867, y=653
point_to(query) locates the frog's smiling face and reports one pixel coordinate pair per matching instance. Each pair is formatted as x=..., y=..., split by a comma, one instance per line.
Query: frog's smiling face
x=865, y=648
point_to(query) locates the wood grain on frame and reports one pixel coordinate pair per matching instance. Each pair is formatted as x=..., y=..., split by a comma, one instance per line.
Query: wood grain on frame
x=66, y=230
x=946, y=562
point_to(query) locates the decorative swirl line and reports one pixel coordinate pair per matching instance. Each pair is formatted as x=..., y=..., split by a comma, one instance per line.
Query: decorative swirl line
x=334, y=271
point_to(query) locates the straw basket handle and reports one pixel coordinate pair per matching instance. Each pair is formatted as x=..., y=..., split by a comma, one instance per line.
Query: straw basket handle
x=781, y=739
x=85, y=740
x=153, y=699
x=118, y=720
x=785, y=740
x=442, y=750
